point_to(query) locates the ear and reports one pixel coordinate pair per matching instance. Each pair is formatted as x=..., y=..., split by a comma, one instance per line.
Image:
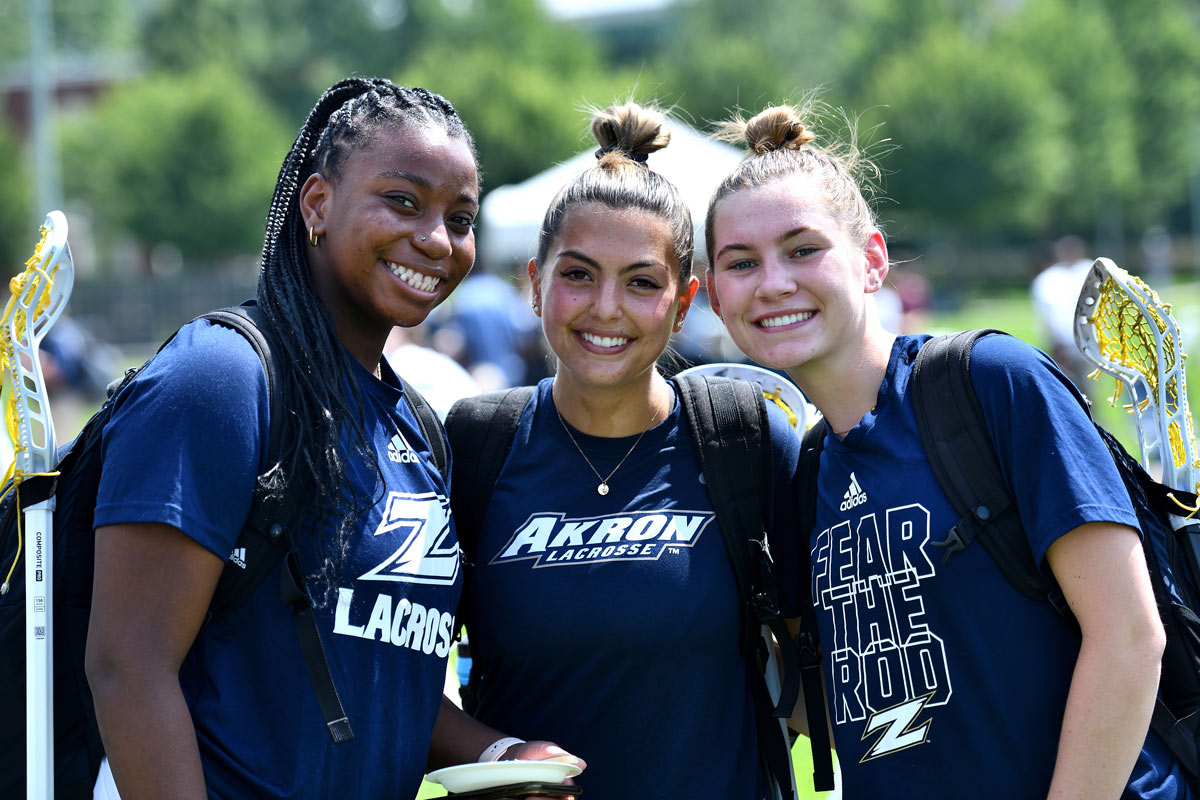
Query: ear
x=685, y=301
x=314, y=195
x=711, y=284
x=535, y=287
x=876, y=258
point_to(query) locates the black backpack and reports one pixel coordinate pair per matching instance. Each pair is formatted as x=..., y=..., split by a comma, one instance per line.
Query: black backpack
x=728, y=420
x=264, y=539
x=956, y=442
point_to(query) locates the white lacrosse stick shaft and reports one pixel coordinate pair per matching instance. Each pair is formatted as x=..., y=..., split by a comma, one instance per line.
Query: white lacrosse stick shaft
x=39, y=296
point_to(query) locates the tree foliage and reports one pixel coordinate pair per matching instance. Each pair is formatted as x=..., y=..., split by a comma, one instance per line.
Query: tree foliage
x=18, y=233
x=978, y=140
x=1007, y=118
x=188, y=159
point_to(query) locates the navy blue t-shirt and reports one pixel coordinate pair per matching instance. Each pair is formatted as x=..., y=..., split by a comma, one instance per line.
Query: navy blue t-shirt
x=609, y=624
x=184, y=448
x=943, y=680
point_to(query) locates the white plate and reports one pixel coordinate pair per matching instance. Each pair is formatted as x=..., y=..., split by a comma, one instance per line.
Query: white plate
x=469, y=777
x=786, y=392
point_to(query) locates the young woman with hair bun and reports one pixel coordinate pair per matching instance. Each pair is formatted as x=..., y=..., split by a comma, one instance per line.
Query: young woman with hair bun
x=618, y=639
x=942, y=680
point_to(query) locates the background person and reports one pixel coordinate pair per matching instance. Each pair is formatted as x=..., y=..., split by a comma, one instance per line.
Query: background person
x=992, y=694
x=1055, y=292
x=630, y=657
x=371, y=226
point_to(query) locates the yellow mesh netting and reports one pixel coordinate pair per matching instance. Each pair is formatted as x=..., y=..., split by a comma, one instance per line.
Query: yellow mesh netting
x=1125, y=336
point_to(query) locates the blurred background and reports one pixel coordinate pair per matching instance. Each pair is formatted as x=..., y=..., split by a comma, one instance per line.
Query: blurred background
x=999, y=127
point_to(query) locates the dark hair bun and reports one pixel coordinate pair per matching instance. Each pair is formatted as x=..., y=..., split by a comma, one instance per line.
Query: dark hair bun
x=629, y=131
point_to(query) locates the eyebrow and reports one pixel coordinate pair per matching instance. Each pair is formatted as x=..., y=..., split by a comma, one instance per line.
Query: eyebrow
x=596, y=265
x=739, y=246
x=423, y=182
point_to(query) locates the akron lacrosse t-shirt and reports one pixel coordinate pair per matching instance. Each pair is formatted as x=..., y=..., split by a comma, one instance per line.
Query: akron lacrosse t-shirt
x=610, y=624
x=184, y=449
x=942, y=680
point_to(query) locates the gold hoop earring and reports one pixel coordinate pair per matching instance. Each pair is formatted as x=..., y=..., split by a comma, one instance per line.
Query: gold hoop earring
x=314, y=238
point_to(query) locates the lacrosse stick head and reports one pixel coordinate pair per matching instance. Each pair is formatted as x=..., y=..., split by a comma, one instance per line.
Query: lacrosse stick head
x=1123, y=328
x=775, y=388
x=39, y=295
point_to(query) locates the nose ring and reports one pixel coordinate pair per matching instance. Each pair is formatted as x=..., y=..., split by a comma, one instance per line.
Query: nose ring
x=423, y=238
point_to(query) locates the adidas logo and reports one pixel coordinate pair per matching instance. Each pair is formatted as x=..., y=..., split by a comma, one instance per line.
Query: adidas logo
x=238, y=556
x=855, y=496
x=400, y=452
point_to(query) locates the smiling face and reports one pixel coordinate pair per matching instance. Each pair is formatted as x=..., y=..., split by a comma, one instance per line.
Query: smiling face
x=610, y=295
x=397, y=231
x=787, y=280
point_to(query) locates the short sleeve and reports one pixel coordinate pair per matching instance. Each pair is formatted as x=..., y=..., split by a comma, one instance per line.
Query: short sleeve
x=1058, y=467
x=186, y=439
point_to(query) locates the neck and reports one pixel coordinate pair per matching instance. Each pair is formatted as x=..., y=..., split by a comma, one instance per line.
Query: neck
x=845, y=388
x=613, y=411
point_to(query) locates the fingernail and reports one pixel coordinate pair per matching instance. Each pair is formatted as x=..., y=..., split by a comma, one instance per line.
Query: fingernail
x=556, y=750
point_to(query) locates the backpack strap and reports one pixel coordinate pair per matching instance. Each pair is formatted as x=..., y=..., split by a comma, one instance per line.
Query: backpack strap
x=487, y=425
x=431, y=428
x=956, y=441
x=266, y=536
x=808, y=641
x=731, y=437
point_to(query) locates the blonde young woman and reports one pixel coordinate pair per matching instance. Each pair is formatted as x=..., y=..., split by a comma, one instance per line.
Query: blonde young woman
x=602, y=607
x=942, y=681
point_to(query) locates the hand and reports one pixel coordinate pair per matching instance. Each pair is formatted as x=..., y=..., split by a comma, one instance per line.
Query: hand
x=542, y=751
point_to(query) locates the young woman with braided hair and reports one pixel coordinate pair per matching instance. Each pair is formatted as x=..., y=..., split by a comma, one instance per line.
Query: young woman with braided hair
x=601, y=604
x=371, y=226
x=942, y=680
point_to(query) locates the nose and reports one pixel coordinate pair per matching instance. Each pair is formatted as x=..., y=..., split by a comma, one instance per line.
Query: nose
x=434, y=242
x=607, y=303
x=777, y=279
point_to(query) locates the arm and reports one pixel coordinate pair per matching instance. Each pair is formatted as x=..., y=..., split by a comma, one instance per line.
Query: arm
x=459, y=738
x=1102, y=572
x=152, y=589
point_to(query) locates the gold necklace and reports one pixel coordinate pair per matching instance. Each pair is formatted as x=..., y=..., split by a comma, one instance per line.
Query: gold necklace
x=602, y=489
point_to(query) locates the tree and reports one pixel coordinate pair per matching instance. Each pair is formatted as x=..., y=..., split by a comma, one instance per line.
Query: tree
x=18, y=233
x=520, y=82
x=1160, y=40
x=1075, y=48
x=186, y=159
x=979, y=144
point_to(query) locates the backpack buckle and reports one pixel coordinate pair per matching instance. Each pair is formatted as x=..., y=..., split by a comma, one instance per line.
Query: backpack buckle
x=766, y=607
x=806, y=649
x=953, y=542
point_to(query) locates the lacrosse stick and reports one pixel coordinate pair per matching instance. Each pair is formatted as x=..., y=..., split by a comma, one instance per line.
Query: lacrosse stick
x=1123, y=328
x=38, y=297
x=801, y=414
x=775, y=388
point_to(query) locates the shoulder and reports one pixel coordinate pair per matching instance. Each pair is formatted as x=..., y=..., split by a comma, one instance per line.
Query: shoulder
x=207, y=373
x=1002, y=363
x=206, y=358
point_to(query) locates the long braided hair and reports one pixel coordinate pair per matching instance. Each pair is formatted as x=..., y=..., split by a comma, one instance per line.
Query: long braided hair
x=314, y=368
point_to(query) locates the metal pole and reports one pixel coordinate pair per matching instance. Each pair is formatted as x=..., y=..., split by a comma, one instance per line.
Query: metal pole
x=42, y=84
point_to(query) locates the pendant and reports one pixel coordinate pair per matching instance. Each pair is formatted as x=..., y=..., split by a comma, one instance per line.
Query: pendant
x=602, y=489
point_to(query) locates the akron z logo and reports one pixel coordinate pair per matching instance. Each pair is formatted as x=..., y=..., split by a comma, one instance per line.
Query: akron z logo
x=420, y=525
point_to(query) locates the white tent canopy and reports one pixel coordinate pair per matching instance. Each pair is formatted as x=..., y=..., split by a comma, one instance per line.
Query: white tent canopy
x=511, y=215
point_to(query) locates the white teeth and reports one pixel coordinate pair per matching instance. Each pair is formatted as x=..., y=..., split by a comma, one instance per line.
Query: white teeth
x=775, y=322
x=605, y=341
x=417, y=280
